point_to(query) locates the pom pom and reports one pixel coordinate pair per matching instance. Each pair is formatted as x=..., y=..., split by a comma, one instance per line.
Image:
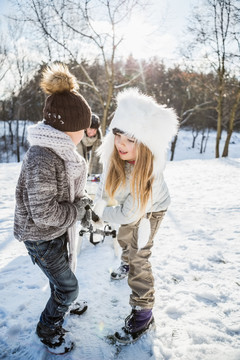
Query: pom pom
x=58, y=79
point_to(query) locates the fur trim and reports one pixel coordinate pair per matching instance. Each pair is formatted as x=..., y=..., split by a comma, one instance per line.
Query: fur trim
x=99, y=207
x=105, y=149
x=140, y=116
x=144, y=232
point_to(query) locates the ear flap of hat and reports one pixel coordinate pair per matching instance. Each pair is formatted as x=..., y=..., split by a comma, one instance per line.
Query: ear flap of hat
x=106, y=148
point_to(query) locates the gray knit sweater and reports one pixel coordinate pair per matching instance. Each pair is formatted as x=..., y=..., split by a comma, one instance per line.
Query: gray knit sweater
x=87, y=148
x=43, y=210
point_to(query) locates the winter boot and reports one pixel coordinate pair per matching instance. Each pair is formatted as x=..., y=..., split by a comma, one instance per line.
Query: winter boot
x=121, y=272
x=78, y=308
x=55, y=339
x=136, y=324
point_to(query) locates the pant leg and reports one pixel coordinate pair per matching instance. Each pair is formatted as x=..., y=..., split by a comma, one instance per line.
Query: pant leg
x=140, y=277
x=124, y=241
x=52, y=258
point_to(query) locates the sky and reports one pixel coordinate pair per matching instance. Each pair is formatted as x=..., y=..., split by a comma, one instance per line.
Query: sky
x=159, y=33
x=3, y=5
x=162, y=32
x=195, y=262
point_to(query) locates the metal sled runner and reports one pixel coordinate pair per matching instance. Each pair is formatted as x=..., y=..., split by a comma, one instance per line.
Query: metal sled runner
x=107, y=231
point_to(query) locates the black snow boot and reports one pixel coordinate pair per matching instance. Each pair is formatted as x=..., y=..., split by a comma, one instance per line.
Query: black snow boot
x=56, y=339
x=78, y=308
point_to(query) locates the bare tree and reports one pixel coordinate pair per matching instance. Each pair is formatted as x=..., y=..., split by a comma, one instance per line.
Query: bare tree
x=231, y=123
x=185, y=117
x=4, y=68
x=214, y=29
x=19, y=66
x=80, y=27
x=236, y=96
x=204, y=140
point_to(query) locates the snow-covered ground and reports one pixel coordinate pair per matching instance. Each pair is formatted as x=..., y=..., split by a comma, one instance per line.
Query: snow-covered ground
x=196, y=264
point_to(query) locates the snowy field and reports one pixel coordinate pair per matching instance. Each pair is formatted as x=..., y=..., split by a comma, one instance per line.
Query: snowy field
x=196, y=264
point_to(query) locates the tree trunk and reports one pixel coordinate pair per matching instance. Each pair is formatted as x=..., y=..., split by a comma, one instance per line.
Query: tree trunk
x=207, y=137
x=231, y=124
x=5, y=136
x=17, y=140
x=219, y=119
x=202, y=141
x=23, y=133
x=106, y=109
x=10, y=131
x=173, y=147
x=194, y=138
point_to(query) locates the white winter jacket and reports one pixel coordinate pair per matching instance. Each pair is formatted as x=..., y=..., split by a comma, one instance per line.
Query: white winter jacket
x=126, y=211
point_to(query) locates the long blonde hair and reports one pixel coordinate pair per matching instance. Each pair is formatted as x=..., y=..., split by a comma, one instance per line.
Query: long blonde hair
x=141, y=177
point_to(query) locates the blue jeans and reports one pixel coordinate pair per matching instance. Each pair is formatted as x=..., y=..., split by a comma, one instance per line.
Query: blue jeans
x=52, y=258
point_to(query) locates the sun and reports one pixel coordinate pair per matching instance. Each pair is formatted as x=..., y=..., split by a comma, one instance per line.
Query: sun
x=143, y=39
x=135, y=35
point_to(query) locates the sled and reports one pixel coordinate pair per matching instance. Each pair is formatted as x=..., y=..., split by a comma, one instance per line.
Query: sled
x=96, y=236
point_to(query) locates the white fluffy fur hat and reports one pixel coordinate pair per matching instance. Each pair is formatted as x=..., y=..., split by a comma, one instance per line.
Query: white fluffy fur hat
x=140, y=116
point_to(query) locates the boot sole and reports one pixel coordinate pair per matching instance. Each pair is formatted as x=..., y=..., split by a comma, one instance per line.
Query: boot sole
x=79, y=312
x=121, y=341
x=119, y=277
x=55, y=351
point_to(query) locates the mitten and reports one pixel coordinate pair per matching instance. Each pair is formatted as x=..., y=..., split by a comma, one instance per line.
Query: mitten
x=88, y=217
x=95, y=217
x=81, y=206
x=86, y=220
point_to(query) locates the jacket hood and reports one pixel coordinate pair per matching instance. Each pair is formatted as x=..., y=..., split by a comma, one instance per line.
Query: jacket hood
x=141, y=117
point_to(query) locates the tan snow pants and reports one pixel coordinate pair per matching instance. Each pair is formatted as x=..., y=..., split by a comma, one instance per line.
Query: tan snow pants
x=140, y=278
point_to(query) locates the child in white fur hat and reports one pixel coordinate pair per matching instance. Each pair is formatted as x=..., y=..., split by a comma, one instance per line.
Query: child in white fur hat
x=134, y=156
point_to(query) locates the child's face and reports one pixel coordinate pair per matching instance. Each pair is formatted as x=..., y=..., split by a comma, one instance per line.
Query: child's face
x=125, y=146
x=91, y=132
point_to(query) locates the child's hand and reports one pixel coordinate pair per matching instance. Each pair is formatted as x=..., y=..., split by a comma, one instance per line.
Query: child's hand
x=95, y=217
x=97, y=223
x=81, y=205
x=86, y=220
x=90, y=218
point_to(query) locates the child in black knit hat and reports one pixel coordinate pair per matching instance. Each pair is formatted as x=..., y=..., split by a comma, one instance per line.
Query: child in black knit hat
x=50, y=198
x=91, y=141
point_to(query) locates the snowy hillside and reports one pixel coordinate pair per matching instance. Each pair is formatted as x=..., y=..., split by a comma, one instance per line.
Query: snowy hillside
x=196, y=264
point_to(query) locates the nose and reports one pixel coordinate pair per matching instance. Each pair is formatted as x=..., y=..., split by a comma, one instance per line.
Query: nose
x=122, y=141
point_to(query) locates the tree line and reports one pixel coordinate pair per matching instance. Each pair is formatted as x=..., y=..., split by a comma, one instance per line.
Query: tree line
x=203, y=99
x=191, y=94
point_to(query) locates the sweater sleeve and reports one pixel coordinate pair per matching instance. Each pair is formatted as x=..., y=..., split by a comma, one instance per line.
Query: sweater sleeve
x=42, y=193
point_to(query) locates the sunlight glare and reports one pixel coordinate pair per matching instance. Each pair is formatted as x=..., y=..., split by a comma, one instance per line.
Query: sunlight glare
x=143, y=39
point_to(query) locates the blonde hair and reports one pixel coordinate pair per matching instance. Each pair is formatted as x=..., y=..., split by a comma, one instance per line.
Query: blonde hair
x=141, y=177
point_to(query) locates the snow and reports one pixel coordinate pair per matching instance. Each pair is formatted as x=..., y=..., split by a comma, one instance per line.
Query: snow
x=195, y=260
